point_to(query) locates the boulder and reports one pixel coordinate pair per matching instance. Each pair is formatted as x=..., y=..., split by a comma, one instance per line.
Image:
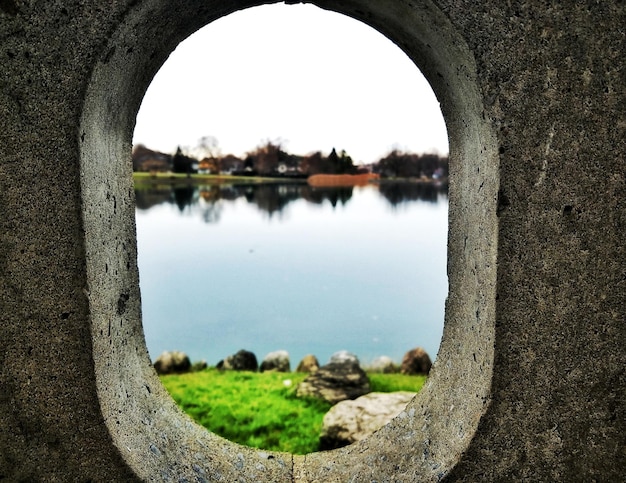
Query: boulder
x=172, y=362
x=336, y=381
x=309, y=363
x=383, y=365
x=415, y=362
x=344, y=356
x=350, y=421
x=276, y=361
x=241, y=361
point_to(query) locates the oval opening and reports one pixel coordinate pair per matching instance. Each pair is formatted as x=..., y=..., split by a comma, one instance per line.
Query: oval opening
x=232, y=264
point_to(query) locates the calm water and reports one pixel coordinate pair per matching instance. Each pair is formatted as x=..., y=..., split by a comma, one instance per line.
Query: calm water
x=291, y=267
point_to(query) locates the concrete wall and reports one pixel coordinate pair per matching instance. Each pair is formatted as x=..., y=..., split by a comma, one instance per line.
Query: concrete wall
x=529, y=381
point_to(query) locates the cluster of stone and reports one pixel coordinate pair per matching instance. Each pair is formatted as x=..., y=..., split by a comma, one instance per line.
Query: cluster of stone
x=356, y=412
x=415, y=361
x=342, y=378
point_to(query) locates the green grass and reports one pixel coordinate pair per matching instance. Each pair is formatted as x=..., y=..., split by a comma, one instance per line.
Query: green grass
x=259, y=410
x=142, y=178
x=396, y=382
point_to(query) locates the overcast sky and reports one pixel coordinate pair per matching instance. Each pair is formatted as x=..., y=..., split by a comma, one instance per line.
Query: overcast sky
x=308, y=78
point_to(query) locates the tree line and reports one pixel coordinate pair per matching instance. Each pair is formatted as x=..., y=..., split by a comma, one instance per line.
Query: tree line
x=273, y=198
x=270, y=159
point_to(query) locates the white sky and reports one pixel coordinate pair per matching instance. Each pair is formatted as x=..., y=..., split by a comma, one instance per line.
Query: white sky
x=310, y=78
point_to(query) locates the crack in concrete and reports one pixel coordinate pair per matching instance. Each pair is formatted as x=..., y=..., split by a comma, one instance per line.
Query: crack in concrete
x=544, y=165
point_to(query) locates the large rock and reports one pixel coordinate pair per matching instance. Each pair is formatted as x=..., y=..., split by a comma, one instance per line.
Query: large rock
x=350, y=421
x=172, y=362
x=416, y=362
x=309, y=363
x=241, y=361
x=383, y=365
x=336, y=381
x=276, y=361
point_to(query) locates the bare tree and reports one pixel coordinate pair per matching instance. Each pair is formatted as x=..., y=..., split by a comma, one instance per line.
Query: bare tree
x=207, y=147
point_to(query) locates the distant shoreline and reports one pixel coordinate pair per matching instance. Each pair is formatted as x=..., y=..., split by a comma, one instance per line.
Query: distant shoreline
x=188, y=179
x=181, y=178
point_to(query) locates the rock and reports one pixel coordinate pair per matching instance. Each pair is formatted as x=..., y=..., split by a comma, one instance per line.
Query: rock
x=383, y=365
x=276, y=361
x=309, y=363
x=350, y=421
x=344, y=356
x=241, y=361
x=335, y=382
x=415, y=362
x=172, y=362
x=199, y=366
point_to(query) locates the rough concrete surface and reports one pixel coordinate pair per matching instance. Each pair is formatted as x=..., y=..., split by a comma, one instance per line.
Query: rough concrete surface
x=529, y=381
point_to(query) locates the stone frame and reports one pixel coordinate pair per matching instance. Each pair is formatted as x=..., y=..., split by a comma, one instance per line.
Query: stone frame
x=153, y=436
x=530, y=386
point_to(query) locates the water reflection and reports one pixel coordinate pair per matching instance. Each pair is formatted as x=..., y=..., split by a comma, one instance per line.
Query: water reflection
x=264, y=267
x=273, y=198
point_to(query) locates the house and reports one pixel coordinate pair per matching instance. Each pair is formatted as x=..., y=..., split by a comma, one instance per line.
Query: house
x=209, y=166
x=147, y=160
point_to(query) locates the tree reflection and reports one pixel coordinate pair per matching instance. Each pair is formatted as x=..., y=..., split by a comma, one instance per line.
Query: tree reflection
x=399, y=192
x=184, y=196
x=273, y=198
x=332, y=194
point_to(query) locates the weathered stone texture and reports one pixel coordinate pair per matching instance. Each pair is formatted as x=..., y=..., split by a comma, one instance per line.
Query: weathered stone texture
x=529, y=381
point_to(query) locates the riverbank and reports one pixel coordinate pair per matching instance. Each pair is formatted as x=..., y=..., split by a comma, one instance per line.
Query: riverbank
x=206, y=179
x=178, y=179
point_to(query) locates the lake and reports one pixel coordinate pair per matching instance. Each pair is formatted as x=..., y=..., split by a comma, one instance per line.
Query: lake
x=287, y=266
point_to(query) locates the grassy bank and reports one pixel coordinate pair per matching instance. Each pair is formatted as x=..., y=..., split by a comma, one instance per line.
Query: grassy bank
x=204, y=179
x=260, y=409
